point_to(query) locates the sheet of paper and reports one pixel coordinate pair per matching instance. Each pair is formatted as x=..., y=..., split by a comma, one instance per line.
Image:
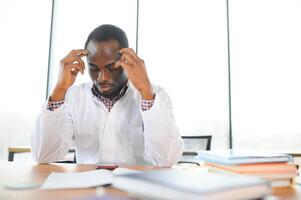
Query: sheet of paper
x=78, y=179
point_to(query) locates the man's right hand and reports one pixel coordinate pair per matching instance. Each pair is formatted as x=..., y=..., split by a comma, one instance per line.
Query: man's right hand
x=69, y=68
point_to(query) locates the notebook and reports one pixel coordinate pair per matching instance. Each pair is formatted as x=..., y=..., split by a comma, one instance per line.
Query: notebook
x=234, y=157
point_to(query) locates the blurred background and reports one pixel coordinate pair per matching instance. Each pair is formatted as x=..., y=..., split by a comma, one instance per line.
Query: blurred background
x=231, y=67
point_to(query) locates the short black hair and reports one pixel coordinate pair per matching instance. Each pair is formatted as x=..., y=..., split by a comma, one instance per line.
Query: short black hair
x=107, y=32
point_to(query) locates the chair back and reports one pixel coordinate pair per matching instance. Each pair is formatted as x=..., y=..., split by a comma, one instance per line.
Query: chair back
x=192, y=144
x=197, y=143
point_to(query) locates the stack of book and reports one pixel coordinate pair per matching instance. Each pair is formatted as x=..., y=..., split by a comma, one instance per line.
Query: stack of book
x=277, y=168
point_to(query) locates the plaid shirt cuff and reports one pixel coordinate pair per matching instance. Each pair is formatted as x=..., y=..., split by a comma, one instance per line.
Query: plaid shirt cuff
x=146, y=104
x=52, y=105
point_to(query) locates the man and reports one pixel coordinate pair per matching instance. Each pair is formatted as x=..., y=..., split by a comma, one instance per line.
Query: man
x=118, y=118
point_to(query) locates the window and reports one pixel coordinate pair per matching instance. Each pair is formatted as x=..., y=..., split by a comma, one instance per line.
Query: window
x=184, y=45
x=75, y=19
x=265, y=47
x=24, y=39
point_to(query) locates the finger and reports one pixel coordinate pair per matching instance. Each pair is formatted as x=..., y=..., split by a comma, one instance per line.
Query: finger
x=81, y=62
x=132, y=55
x=129, y=51
x=69, y=59
x=74, y=71
x=122, y=64
x=128, y=58
x=126, y=50
x=117, y=64
x=73, y=59
x=79, y=52
x=75, y=66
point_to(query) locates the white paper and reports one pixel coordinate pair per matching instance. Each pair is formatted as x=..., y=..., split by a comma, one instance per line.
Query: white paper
x=68, y=180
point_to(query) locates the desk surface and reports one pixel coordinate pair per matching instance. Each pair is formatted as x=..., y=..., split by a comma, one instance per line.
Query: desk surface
x=11, y=173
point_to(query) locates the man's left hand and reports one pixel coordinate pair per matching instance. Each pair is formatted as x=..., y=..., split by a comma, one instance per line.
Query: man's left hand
x=136, y=71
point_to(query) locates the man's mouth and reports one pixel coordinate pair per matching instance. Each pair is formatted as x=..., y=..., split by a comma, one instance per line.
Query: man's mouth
x=104, y=87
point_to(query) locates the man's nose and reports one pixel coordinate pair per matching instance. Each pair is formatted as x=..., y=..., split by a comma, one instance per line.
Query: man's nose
x=103, y=75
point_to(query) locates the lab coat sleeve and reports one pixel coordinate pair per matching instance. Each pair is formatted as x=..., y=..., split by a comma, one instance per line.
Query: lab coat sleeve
x=53, y=135
x=163, y=142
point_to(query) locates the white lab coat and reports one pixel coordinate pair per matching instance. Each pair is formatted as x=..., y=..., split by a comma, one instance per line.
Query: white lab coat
x=126, y=135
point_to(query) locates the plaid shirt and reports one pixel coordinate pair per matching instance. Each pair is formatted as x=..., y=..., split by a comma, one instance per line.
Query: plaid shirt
x=145, y=104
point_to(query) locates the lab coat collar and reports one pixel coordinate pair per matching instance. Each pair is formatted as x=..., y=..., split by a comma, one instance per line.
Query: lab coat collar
x=129, y=90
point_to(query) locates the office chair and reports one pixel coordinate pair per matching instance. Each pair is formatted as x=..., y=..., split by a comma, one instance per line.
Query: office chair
x=192, y=144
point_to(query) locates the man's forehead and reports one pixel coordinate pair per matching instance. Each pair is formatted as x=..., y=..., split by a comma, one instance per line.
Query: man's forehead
x=92, y=48
x=105, y=48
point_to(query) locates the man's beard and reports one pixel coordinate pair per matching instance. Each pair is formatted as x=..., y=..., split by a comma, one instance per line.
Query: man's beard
x=110, y=95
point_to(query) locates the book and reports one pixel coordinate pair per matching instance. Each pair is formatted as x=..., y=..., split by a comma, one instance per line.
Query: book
x=181, y=184
x=234, y=157
x=280, y=173
x=278, y=179
x=260, y=168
